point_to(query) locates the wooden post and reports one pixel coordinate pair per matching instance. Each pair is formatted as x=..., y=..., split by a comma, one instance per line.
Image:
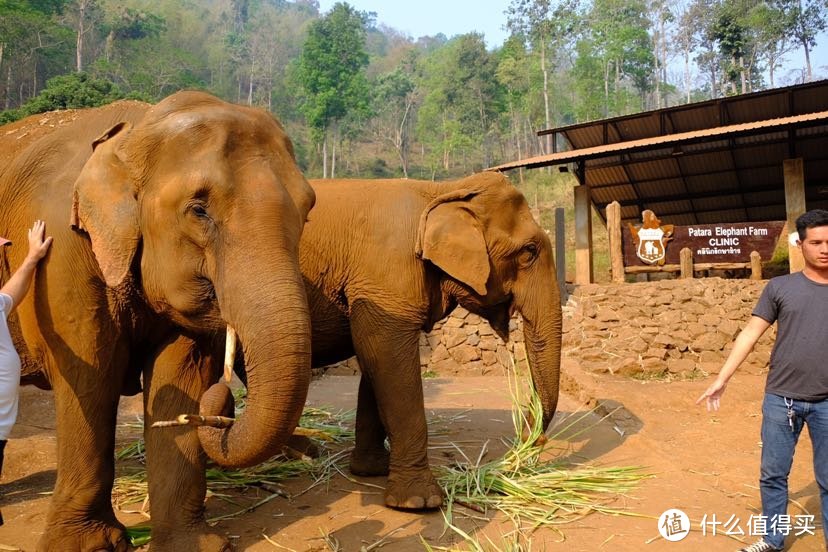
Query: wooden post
x=755, y=266
x=614, y=231
x=560, y=251
x=686, y=262
x=583, y=235
x=794, y=173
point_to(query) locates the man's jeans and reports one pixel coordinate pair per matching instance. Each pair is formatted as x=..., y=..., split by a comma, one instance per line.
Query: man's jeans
x=778, y=443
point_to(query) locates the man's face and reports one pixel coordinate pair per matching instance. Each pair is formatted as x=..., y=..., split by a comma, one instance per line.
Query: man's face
x=815, y=247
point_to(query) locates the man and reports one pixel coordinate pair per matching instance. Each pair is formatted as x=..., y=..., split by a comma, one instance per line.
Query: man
x=11, y=295
x=796, y=392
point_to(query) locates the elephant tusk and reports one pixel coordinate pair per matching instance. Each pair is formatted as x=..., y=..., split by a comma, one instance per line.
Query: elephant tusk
x=196, y=420
x=230, y=353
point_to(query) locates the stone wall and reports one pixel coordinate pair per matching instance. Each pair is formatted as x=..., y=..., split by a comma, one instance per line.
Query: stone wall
x=650, y=328
x=462, y=343
x=642, y=329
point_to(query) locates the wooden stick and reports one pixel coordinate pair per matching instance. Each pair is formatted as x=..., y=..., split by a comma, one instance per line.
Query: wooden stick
x=197, y=420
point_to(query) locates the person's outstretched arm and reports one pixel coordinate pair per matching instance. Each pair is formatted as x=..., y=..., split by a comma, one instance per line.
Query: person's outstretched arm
x=19, y=283
x=741, y=349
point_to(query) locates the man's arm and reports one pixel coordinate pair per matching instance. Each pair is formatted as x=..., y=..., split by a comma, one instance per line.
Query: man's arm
x=741, y=349
x=19, y=283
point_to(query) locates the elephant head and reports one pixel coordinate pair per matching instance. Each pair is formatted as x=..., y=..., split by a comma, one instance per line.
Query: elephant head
x=496, y=260
x=195, y=200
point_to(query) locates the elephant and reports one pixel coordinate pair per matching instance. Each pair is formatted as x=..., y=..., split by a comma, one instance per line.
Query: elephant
x=384, y=260
x=154, y=209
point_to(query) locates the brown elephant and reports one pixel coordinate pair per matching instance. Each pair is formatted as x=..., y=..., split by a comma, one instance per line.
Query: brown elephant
x=384, y=260
x=165, y=202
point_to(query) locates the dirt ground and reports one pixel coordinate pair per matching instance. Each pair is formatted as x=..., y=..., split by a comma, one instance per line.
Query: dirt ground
x=703, y=464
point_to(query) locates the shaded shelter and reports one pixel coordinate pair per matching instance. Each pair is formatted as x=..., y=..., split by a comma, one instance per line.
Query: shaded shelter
x=749, y=158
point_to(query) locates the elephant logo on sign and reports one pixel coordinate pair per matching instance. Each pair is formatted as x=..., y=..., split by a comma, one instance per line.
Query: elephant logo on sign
x=651, y=238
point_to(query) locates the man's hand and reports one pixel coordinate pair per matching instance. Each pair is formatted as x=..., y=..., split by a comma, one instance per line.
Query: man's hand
x=38, y=246
x=713, y=394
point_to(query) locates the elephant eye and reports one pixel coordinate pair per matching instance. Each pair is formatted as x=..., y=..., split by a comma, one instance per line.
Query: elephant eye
x=528, y=254
x=198, y=209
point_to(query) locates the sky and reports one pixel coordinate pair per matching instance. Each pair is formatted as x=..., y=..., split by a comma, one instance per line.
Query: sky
x=454, y=17
x=429, y=17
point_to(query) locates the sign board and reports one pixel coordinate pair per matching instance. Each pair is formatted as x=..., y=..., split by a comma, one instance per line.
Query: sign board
x=726, y=242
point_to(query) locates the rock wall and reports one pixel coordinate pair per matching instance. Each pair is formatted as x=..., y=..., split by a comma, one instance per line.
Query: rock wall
x=642, y=329
x=464, y=344
x=651, y=328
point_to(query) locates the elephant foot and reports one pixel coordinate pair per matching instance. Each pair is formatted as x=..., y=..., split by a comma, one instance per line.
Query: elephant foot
x=370, y=463
x=173, y=539
x=418, y=492
x=84, y=536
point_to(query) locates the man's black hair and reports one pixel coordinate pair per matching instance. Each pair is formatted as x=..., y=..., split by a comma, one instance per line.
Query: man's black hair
x=811, y=219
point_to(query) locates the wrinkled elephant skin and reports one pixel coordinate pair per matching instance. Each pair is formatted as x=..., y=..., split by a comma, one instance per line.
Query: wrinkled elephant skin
x=153, y=210
x=384, y=260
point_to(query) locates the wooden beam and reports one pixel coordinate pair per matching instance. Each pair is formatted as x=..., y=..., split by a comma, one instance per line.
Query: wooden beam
x=614, y=231
x=640, y=269
x=583, y=235
x=755, y=266
x=686, y=263
x=794, y=171
x=560, y=252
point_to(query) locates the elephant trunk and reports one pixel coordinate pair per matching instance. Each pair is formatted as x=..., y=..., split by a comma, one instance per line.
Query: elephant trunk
x=273, y=325
x=542, y=319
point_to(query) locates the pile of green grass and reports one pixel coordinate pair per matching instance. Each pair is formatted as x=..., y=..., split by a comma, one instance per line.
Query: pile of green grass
x=528, y=485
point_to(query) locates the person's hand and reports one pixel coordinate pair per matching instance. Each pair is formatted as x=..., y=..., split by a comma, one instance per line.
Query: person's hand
x=713, y=394
x=38, y=246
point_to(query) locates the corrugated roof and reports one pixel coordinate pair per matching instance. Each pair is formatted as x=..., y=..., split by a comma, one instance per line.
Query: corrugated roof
x=714, y=161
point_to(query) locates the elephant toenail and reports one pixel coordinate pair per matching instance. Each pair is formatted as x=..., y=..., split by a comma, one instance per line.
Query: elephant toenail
x=435, y=501
x=415, y=503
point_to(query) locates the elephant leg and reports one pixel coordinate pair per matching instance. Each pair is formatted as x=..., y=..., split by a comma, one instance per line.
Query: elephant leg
x=86, y=403
x=370, y=457
x=173, y=384
x=388, y=355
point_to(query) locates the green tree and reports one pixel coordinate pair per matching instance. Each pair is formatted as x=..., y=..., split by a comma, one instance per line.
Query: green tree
x=772, y=35
x=459, y=103
x=806, y=19
x=615, y=53
x=395, y=98
x=33, y=47
x=513, y=77
x=331, y=73
x=70, y=91
x=548, y=30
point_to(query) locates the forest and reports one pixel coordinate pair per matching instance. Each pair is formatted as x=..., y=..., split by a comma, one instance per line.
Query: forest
x=361, y=99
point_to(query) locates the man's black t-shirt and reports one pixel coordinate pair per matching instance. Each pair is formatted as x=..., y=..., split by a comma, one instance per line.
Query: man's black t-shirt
x=799, y=362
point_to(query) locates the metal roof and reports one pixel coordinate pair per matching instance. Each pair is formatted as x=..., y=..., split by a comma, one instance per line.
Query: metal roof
x=714, y=161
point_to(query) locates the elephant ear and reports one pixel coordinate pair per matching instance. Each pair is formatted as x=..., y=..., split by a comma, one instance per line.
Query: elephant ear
x=105, y=206
x=451, y=237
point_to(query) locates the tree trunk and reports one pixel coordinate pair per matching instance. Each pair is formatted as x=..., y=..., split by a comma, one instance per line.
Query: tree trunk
x=250, y=83
x=333, y=151
x=606, y=87
x=110, y=45
x=808, y=74
x=325, y=155
x=742, y=74
x=79, y=40
x=548, y=120
x=5, y=90
x=8, y=89
x=402, y=138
